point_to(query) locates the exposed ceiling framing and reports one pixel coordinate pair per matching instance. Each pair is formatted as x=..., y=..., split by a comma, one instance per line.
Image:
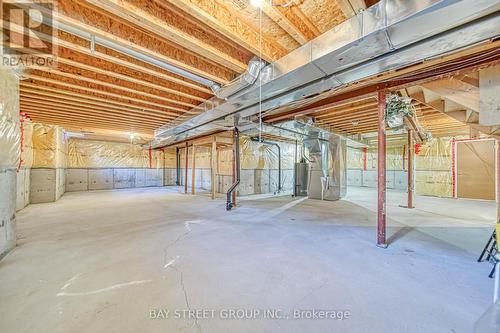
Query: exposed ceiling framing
x=97, y=88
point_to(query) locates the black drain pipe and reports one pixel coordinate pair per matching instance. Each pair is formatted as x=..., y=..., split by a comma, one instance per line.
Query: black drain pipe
x=236, y=143
x=279, y=156
x=178, y=166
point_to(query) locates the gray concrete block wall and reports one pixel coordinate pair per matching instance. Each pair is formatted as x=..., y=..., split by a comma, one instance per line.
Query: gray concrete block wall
x=8, y=186
x=60, y=183
x=23, y=188
x=206, y=179
x=224, y=183
x=395, y=179
x=140, y=178
x=124, y=178
x=100, y=179
x=154, y=177
x=370, y=178
x=400, y=180
x=257, y=181
x=112, y=178
x=77, y=180
x=287, y=180
x=354, y=177
x=43, y=185
x=261, y=181
x=247, y=179
x=252, y=181
x=170, y=176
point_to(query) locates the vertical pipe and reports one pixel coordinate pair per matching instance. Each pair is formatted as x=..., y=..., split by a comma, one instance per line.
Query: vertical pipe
x=193, y=170
x=410, y=168
x=404, y=156
x=295, y=170
x=453, y=170
x=381, y=169
x=364, y=158
x=279, y=167
x=497, y=178
x=177, y=166
x=186, y=170
x=214, y=165
x=233, y=194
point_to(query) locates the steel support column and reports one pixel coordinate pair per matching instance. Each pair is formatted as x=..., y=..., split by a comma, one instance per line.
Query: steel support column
x=235, y=142
x=186, y=170
x=410, y=154
x=381, y=170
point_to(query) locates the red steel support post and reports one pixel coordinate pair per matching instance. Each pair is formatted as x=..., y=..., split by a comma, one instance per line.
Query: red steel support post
x=364, y=159
x=410, y=168
x=186, y=171
x=381, y=169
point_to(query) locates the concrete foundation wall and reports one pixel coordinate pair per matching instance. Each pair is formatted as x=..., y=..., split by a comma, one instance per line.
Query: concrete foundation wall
x=8, y=185
x=48, y=185
x=23, y=188
x=253, y=181
x=113, y=178
x=395, y=179
x=42, y=185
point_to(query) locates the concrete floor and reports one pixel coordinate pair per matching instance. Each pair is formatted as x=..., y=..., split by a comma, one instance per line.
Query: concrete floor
x=102, y=261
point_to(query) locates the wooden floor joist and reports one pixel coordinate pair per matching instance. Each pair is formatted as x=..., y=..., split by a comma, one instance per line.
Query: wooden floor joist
x=118, y=87
x=166, y=24
x=105, y=27
x=101, y=92
x=90, y=99
x=128, y=78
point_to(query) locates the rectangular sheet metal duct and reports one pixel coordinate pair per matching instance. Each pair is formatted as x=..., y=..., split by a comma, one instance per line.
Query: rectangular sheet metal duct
x=390, y=35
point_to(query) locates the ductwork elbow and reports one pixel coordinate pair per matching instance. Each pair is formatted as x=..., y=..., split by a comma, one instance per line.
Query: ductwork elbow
x=243, y=81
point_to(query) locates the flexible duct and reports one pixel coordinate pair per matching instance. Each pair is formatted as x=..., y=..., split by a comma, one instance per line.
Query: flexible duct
x=244, y=81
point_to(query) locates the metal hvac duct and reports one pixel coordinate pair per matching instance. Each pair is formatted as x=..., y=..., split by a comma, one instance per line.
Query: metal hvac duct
x=389, y=35
x=243, y=81
x=327, y=172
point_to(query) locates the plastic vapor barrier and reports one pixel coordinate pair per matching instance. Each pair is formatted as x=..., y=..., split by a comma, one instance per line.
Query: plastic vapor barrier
x=10, y=134
x=433, y=168
x=256, y=155
x=394, y=158
x=354, y=158
x=50, y=148
x=104, y=154
x=27, y=144
x=170, y=158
